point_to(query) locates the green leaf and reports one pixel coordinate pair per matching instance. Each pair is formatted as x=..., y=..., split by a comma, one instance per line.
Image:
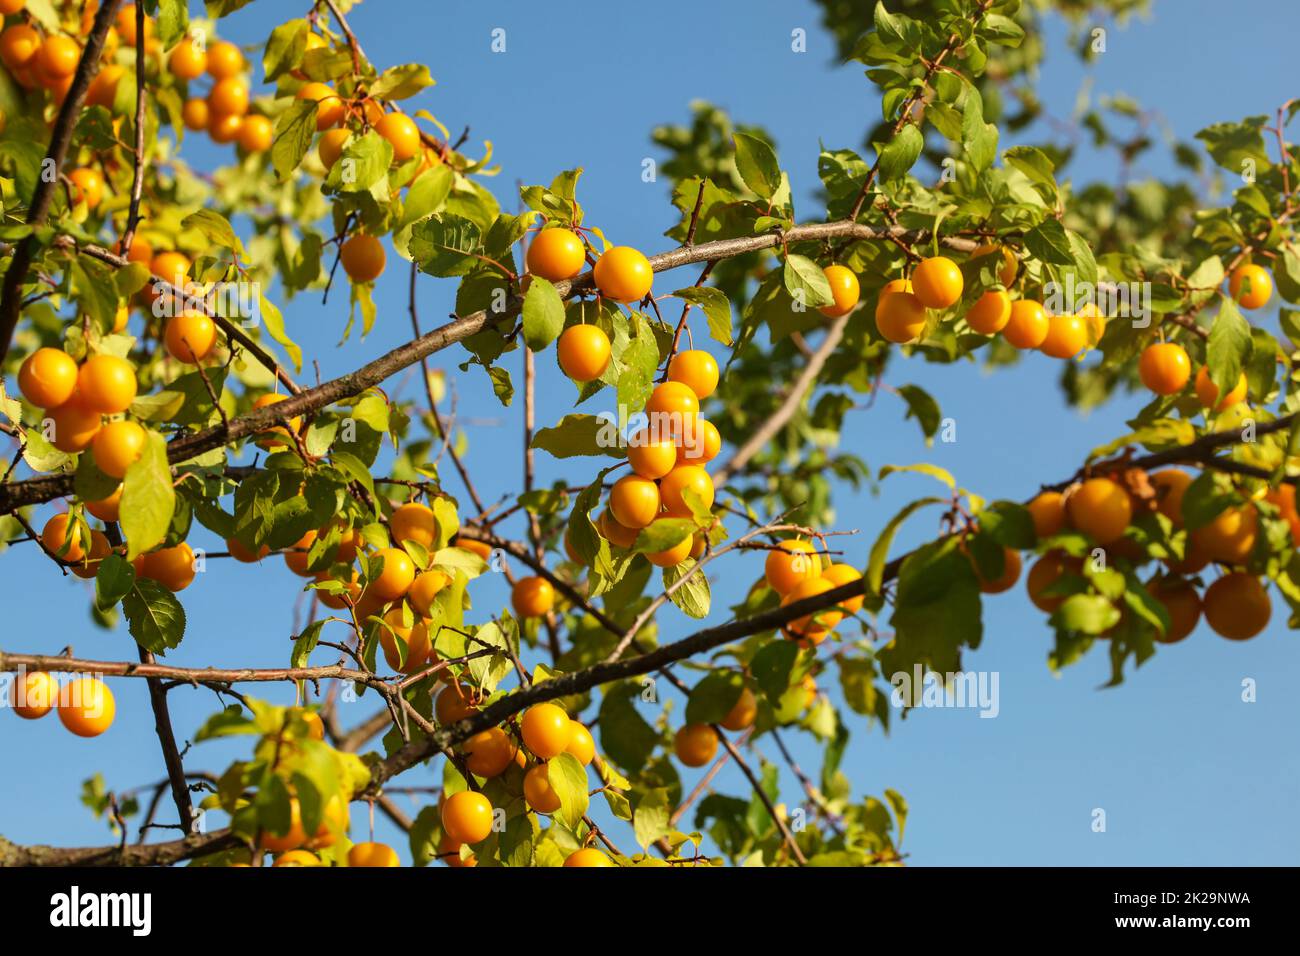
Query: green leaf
x=95, y=291
x=305, y=643
x=693, y=597
x=639, y=359
x=568, y=778
x=936, y=611
x=663, y=534
x=625, y=737
x=427, y=195
x=717, y=309
x=857, y=680
x=899, y=806
x=806, y=282
x=401, y=82
x=713, y=697
x=294, y=131
x=487, y=672
x=89, y=482
x=220, y=8
x=355, y=469
x=1048, y=242
x=1208, y=275
x=1234, y=144
x=543, y=314
x=1085, y=614
x=284, y=48
x=880, y=550
x=216, y=229
x=650, y=820
x=423, y=836
x=113, y=581
x=153, y=616
x=979, y=138
x=921, y=468
x=618, y=804
x=757, y=164
x=1229, y=346
x=274, y=322
x=374, y=411
x=158, y=407
x=773, y=668
x=577, y=435
x=446, y=245
x=148, y=498
x=362, y=165
x=1010, y=524
x=172, y=20
x=1001, y=29
x=591, y=547
x=1035, y=164
x=230, y=722
x=900, y=153
x=921, y=406
x=896, y=29
x=1145, y=605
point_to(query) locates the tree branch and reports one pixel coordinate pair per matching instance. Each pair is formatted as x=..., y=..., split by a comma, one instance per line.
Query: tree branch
x=149, y=854
x=137, y=181
x=167, y=738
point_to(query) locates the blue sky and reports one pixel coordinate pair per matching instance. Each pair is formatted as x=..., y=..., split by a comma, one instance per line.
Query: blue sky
x=1186, y=772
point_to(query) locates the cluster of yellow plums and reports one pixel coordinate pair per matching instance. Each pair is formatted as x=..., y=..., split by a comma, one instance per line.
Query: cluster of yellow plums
x=338, y=120
x=75, y=400
x=1236, y=605
x=84, y=407
x=401, y=595
x=546, y=731
x=37, y=59
x=936, y=283
x=224, y=112
x=667, y=459
x=668, y=455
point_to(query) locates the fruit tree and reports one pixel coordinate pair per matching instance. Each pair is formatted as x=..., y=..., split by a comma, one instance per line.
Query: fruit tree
x=165, y=434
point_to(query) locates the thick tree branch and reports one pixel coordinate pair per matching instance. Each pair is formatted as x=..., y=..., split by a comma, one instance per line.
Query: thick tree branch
x=148, y=854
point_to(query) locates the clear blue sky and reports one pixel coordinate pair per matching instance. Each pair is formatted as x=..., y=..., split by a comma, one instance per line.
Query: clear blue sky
x=1187, y=773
